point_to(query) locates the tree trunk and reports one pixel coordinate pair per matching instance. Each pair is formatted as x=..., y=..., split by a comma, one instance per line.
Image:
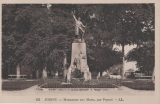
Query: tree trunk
x=44, y=72
x=123, y=62
x=100, y=73
x=64, y=68
x=37, y=73
x=18, y=71
x=9, y=69
x=153, y=75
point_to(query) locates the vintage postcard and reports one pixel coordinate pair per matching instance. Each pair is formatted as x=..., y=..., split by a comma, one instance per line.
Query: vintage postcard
x=80, y=51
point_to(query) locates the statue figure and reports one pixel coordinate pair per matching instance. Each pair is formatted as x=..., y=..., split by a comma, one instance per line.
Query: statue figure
x=75, y=63
x=79, y=26
x=80, y=60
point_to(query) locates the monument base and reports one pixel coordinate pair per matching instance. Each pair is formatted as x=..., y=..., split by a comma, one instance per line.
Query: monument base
x=79, y=59
x=79, y=56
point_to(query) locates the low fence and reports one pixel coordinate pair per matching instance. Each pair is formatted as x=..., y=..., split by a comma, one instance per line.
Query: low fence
x=17, y=76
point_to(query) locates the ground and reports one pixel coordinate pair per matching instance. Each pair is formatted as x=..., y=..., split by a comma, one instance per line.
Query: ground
x=108, y=92
x=123, y=91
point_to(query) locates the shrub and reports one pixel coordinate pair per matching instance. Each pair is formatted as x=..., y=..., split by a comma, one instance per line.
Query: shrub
x=77, y=74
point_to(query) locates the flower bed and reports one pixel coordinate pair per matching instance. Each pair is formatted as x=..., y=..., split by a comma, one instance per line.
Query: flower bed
x=79, y=84
x=58, y=85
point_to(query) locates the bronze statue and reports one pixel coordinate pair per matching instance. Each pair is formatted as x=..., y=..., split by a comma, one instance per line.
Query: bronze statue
x=79, y=26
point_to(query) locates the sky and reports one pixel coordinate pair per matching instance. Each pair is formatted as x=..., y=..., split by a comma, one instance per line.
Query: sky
x=127, y=48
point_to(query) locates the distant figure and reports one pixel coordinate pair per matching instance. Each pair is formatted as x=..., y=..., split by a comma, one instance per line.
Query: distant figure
x=79, y=26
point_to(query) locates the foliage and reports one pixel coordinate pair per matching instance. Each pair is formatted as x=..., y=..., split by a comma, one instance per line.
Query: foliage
x=36, y=36
x=144, y=56
x=33, y=41
x=77, y=74
x=103, y=58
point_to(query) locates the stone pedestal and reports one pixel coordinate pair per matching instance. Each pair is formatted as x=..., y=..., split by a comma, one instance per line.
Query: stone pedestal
x=79, y=56
x=79, y=59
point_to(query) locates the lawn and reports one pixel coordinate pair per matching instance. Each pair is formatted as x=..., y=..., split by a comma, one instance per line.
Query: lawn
x=102, y=83
x=17, y=84
x=78, y=83
x=139, y=85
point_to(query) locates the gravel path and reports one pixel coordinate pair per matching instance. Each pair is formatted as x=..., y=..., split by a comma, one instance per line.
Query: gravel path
x=32, y=91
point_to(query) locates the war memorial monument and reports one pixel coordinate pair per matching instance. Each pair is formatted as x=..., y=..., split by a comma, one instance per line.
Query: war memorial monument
x=78, y=55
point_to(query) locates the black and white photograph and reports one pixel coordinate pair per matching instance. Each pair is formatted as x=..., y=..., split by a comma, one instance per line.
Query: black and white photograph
x=63, y=52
